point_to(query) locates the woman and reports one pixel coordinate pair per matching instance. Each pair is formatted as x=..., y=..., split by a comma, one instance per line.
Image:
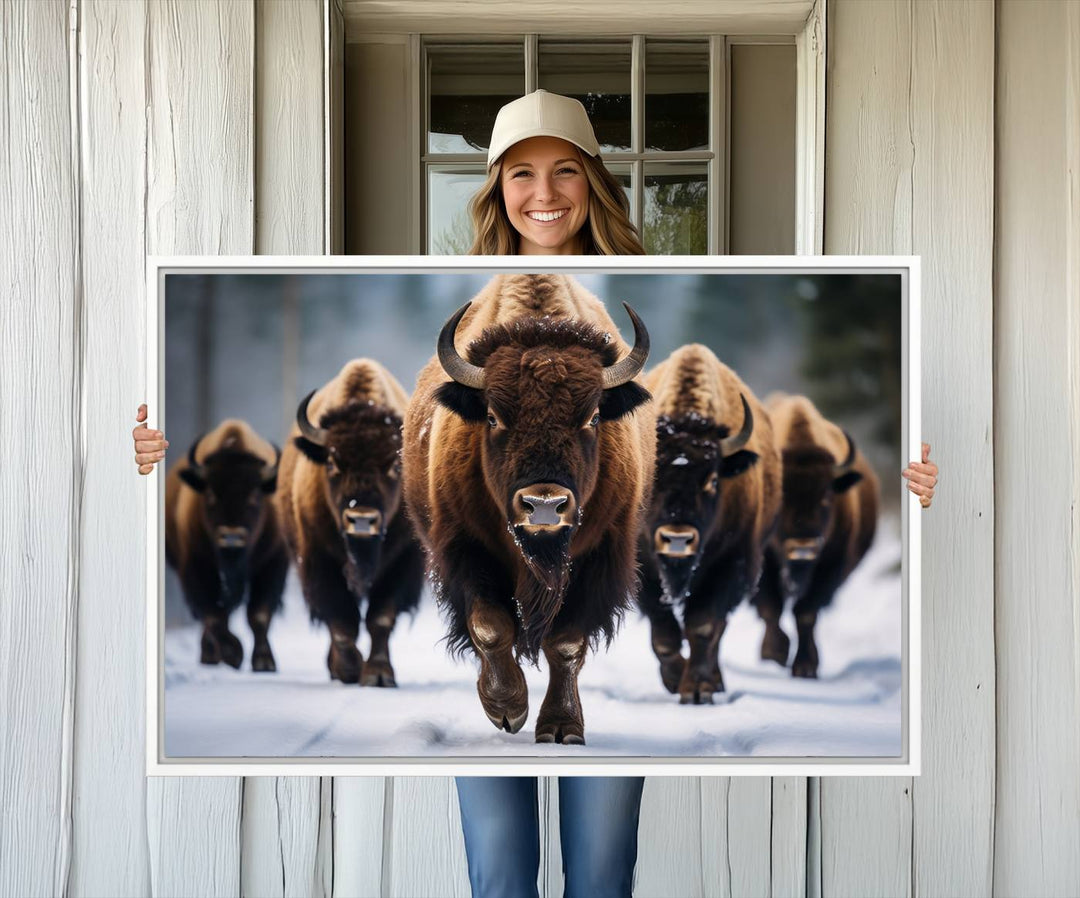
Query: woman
x=547, y=193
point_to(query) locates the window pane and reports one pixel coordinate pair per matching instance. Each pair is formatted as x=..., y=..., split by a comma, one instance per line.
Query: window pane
x=449, y=192
x=676, y=95
x=466, y=87
x=676, y=209
x=597, y=74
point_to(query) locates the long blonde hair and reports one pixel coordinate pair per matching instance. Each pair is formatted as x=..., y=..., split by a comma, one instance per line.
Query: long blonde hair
x=607, y=231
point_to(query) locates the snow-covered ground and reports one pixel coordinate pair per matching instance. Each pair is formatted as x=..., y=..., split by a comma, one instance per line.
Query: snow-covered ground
x=852, y=710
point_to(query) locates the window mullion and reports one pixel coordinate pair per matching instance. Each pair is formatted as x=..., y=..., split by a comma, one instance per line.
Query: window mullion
x=532, y=62
x=718, y=167
x=637, y=129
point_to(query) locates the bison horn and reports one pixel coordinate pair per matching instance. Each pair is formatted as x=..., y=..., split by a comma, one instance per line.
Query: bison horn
x=316, y=434
x=463, y=372
x=271, y=471
x=195, y=467
x=630, y=367
x=848, y=463
x=731, y=445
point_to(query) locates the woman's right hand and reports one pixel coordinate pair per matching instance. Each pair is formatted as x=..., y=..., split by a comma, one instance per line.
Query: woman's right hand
x=150, y=445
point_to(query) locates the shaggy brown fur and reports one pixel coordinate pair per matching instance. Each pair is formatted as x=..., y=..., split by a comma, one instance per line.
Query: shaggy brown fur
x=361, y=408
x=845, y=524
x=543, y=341
x=733, y=504
x=237, y=458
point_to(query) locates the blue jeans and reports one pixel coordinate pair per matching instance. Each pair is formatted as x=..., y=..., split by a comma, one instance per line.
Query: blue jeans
x=598, y=821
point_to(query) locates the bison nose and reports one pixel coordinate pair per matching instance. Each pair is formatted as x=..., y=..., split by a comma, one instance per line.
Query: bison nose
x=676, y=540
x=802, y=549
x=362, y=521
x=544, y=505
x=231, y=537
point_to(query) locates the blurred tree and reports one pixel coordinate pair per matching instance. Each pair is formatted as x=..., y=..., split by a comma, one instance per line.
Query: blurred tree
x=676, y=216
x=852, y=351
x=456, y=239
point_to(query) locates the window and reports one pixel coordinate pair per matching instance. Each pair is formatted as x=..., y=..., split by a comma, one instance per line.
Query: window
x=657, y=106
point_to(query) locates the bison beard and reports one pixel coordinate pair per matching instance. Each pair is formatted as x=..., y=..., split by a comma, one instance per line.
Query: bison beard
x=540, y=596
x=675, y=577
x=361, y=563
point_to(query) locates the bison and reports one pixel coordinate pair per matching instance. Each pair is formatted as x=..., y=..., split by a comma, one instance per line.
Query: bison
x=827, y=524
x=340, y=500
x=526, y=475
x=222, y=538
x=715, y=503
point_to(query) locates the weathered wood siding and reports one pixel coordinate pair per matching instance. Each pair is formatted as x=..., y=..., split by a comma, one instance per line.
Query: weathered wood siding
x=909, y=153
x=41, y=434
x=110, y=789
x=953, y=132
x=1037, y=558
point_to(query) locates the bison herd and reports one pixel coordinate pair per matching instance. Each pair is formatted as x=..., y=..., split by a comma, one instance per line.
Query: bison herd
x=545, y=483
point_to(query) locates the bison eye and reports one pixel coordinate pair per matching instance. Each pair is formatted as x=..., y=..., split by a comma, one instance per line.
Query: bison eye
x=594, y=420
x=712, y=484
x=394, y=471
x=493, y=422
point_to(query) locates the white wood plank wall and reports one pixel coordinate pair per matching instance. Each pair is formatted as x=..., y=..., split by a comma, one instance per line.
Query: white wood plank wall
x=109, y=819
x=41, y=433
x=197, y=127
x=909, y=169
x=1037, y=558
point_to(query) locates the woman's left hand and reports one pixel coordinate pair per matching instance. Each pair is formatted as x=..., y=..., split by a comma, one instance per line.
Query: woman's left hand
x=922, y=477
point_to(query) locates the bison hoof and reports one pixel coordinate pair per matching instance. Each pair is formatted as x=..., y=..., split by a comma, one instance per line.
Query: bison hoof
x=508, y=722
x=504, y=695
x=805, y=669
x=345, y=664
x=211, y=652
x=700, y=696
x=560, y=734
x=775, y=649
x=232, y=652
x=378, y=673
x=263, y=660
x=671, y=671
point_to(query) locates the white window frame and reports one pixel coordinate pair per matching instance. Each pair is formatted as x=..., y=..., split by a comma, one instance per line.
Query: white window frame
x=809, y=39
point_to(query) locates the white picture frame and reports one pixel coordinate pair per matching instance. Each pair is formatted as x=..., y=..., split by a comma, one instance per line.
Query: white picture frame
x=908, y=763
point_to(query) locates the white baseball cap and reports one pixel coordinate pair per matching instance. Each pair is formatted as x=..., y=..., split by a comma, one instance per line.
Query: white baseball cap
x=541, y=114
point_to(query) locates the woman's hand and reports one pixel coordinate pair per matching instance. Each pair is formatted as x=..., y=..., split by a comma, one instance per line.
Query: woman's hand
x=922, y=477
x=150, y=445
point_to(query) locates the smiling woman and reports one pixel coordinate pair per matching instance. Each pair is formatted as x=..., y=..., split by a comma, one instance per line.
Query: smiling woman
x=546, y=195
x=547, y=191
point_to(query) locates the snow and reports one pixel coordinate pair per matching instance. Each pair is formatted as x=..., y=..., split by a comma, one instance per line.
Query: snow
x=852, y=710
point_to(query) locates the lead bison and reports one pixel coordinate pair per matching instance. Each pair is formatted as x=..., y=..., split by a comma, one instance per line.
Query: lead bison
x=715, y=503
x=526, y=476
x=827, y=524
x=339, y=496
x=223, y=540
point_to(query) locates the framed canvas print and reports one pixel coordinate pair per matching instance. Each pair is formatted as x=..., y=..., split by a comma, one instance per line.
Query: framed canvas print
x=455, y=515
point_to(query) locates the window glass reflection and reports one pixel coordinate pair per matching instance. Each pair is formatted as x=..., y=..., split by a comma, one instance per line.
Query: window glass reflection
x=467, y=85
x=597, y=74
